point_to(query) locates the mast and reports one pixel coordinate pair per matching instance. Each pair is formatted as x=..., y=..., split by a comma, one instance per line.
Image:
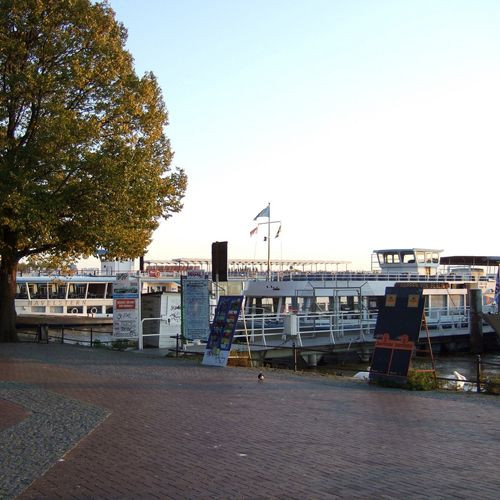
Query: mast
x=269, y=241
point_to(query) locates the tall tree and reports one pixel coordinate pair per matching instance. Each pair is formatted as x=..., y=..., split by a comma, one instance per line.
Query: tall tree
x=84, y=162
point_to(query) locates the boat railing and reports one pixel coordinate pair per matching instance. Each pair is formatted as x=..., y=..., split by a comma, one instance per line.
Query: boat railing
x=265, y=327
x=401, y=277
x=279, y=275
x=282, y=329
x=365, y=276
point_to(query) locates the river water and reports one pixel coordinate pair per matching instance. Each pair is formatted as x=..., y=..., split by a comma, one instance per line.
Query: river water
x=463, y=363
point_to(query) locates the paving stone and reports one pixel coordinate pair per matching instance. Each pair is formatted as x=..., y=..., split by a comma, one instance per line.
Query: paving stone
x=181, y=430
x=51, y=426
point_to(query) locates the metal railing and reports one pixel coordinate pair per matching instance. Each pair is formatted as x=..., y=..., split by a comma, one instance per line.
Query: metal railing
x=272, y=328
x=282, y=275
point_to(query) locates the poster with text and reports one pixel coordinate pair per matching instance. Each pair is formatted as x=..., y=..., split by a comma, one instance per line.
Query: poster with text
x=126, y=306
x=195, y=306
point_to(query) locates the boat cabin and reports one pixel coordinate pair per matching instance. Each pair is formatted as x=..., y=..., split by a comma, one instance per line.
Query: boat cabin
x=421, y=261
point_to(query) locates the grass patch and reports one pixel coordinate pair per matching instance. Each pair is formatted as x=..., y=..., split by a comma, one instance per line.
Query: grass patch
x=492, y=385
x=119, y=344
x=421, y=381
x=416, y=381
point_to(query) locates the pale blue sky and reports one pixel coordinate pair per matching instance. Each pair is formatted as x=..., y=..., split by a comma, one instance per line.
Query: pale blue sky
x=366, y=124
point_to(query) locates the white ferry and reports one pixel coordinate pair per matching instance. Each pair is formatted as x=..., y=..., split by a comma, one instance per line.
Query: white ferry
x=292, y=288
x=446, y=281
x=337, y=310
x=63, y=295
x=88, y=293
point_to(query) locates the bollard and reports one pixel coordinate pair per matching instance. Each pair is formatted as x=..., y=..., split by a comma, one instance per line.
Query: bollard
x=478, y=373
x=62, y=334
x=294, y=357
x=476, y=320
x=177, y=346
x=43, y=333
x=91, y=337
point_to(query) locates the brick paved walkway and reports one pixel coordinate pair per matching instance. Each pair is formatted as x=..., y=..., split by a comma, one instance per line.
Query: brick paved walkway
x=11, y=414
x=176, y=429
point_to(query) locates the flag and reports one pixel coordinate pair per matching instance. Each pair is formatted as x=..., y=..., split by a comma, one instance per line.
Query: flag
x=278, y=232
x=263, y=213
x=254, y=231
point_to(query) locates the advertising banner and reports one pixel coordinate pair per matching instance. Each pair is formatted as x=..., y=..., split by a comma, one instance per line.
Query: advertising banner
x=222, y=330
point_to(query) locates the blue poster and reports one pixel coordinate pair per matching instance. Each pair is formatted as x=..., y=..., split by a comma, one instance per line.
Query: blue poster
x=222, y=330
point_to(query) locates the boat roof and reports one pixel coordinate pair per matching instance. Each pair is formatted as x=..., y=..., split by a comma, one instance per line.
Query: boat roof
x=80, y=278
x=387, y=250
x=471, y=260
x=70, y=279
x=232, y=262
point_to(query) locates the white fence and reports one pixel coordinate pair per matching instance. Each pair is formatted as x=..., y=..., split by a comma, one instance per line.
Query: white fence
x=270, y=329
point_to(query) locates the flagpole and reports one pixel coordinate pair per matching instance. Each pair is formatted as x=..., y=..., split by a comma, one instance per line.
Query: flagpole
x=269, y=242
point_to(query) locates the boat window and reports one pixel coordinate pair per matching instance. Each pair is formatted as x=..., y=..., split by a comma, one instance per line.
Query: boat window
x=380, y=257
x=77, y=290
x=455, y=302
x=420, y=257
x=94, y=309
x=408, y=257
x=392, y=258
x=109, y=290
x=109, y=309
x=438, y=301
x=38, y=290
x=75, y=309
x=267, y=305
x=57, y=290
x=21, y=291
x=96, y=290
x=435, y=258
x=428, y=257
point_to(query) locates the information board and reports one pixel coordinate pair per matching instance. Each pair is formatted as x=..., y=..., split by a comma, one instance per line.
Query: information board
x=126, y=306
x=222, y=330
x=195, y=306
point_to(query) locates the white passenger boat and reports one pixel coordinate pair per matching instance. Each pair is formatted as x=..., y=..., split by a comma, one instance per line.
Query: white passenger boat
x=321, y=309
x=313, y=291
x=87, y=293
x=445, y=285
x=65, y=295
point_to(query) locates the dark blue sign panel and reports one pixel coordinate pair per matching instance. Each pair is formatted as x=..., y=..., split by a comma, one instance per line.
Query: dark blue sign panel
x=224, y=324
x=401, y=313
x=222, y=330
x=397, y=330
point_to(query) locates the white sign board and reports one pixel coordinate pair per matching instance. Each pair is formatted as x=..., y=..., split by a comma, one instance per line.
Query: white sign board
x=215, y=357
x=126, y=306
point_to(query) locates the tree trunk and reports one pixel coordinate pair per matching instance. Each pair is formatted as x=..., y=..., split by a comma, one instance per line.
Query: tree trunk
x=8, y=270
